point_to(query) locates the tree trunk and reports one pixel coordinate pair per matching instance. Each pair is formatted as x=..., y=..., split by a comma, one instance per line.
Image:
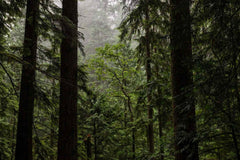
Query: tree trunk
x=182, y=82
x=150, y=132
x=133, y=144
x=26, y=104
x=235, y=142
x=235, y=67
x=88, y=147
x=67, y=140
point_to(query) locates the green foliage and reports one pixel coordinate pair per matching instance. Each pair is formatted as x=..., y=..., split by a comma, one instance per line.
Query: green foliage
x=113, y=88
x=217, y=76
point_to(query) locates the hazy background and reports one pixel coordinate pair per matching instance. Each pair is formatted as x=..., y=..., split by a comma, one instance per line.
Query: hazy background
x=98, y=20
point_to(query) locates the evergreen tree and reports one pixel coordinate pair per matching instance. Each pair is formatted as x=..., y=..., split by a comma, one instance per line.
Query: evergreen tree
x=67, y=140
x=26, y=103
x=186, y=145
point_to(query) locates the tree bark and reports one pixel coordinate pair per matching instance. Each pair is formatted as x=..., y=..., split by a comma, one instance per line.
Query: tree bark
x=186, y=146
x=150, y=132
x=26, y=104
x=67, y=140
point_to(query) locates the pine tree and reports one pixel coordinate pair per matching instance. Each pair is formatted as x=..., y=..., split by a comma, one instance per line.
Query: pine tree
x=67, y=141
x=182, y=82
x=26, y=104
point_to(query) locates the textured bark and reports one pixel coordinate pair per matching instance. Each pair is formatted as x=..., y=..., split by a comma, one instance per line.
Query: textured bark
x=182, y=82
x=26, y=104
x=67, y=140
x=150, y=132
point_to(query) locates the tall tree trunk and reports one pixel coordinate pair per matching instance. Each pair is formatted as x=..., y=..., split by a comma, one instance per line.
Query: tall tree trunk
x=235, y=67
x=235, y=62
x=129, y=105
x=67, y=140
x=236, y=104
x=26, y=104
x=182, y=82
x=150, y=132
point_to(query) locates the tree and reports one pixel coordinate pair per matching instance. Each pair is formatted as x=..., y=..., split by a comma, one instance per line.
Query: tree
x=67, y=141
x=116, y=65
x=217, y=79
x=186, y=145
x=26, y=104
x=138, y=20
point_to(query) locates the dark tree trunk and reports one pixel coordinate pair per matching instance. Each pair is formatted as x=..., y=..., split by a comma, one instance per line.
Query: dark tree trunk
x=182, y=82
x=128, y=104
x=235, y=140
x=132, y=121
x=26, y=104
x=67, y=140
x=133, y=144
x=235, y=72
x=150, y=132
x=88, y=146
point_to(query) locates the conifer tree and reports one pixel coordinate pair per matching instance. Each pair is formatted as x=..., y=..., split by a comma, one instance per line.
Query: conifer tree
x=186, y=146
x=67, y=140
x=26, y=104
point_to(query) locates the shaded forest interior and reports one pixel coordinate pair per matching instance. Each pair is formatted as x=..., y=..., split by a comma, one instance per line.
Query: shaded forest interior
x=119, y=80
